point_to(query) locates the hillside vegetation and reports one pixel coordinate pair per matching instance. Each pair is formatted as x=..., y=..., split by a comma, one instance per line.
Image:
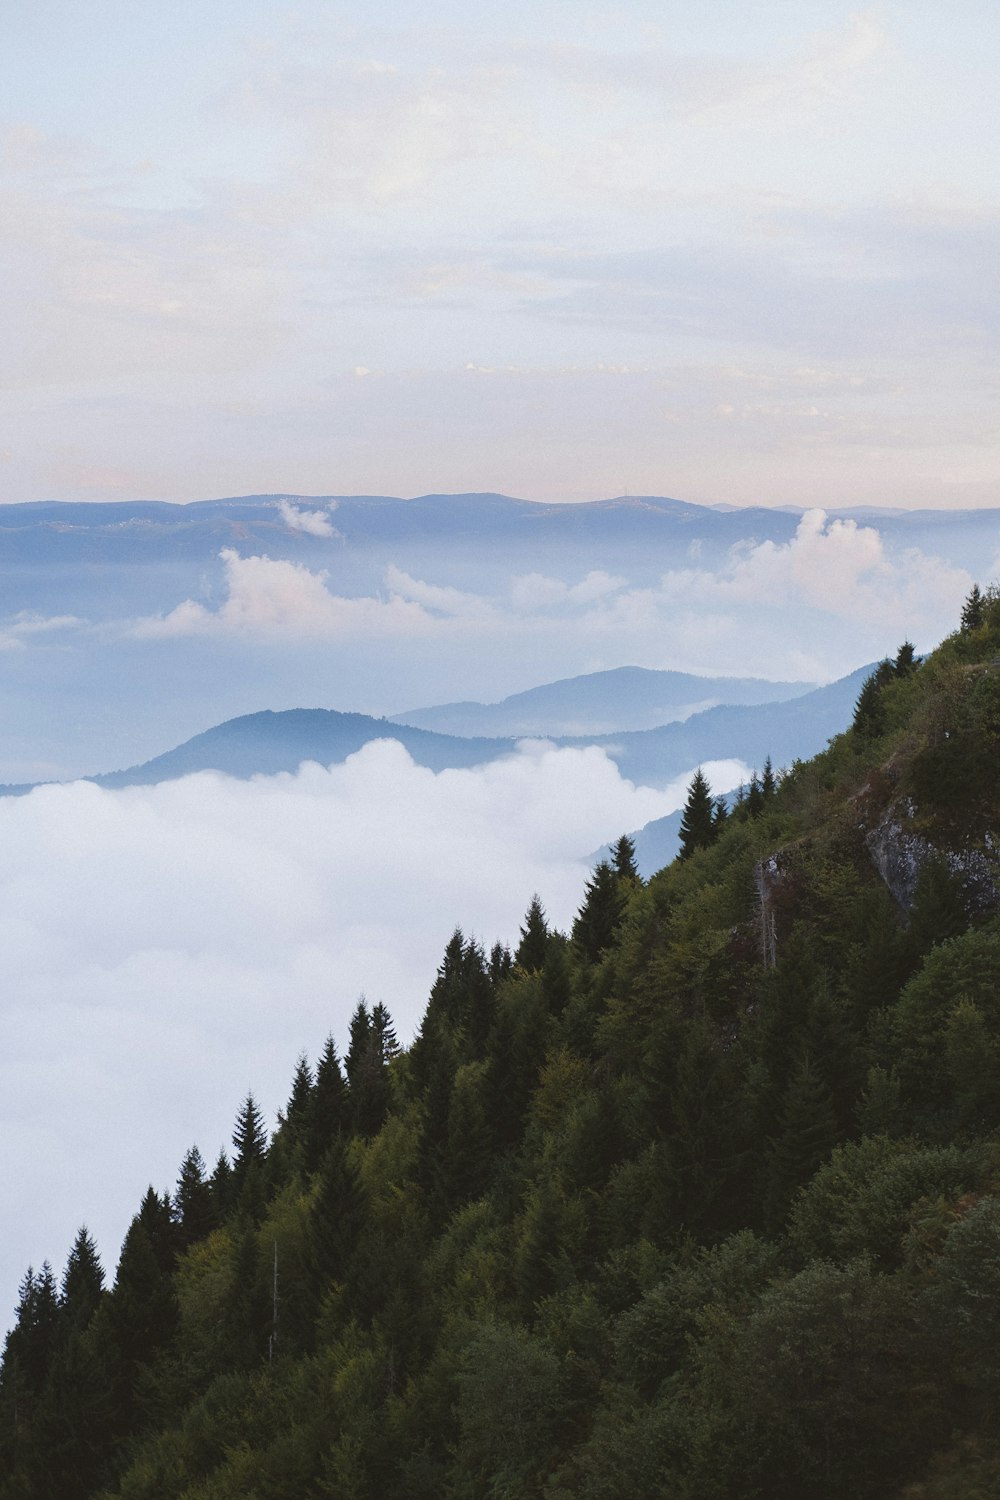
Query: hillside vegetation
x=700, y=1201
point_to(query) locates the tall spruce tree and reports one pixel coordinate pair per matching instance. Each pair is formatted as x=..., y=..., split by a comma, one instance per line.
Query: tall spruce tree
x=82, y=1282
x=530, y=952
x=598, y=918
x=698, y=826
x=623, y=859
x=193, y=1200
x=974, y=609
x=328, y=1110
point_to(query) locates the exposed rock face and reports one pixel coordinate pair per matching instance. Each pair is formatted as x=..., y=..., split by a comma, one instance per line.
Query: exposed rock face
x=775, y=893
x=899, y=854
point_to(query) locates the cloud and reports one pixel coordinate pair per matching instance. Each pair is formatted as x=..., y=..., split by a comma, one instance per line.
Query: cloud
x=268, y=598
x=838, y=567
x=312, y=522
x=167, y=947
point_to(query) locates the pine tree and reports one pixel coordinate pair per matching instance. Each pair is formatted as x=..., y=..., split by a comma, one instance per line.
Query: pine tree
x=336, y=1219
x=328, y=1112
x=906, y=662
x=768, y=784
x=299, y=1107
x=698, y=828
x=974, y=609
x=869, y=710
x=755, y=797
x=598, y=918
x=359, y=1043
x=193, y=1200
x=249, y=1140
x=82, y=1283
x=623, y=859
x=501, y=964
x=530, y=952
x=807, y=1132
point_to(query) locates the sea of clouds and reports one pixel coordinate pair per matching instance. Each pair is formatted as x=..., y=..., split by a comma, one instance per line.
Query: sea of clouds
x=168, y=947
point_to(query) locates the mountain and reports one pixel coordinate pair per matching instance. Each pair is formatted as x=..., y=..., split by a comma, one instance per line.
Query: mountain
x=266, y=743
x=701, y=1199
x=61, y=554
x=623, y=698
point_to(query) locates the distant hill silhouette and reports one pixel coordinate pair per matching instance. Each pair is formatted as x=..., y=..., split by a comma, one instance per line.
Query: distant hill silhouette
x=267, y=743
x=608, y=702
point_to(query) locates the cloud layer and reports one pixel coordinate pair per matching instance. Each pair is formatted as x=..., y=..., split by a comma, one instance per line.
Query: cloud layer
x=165, y=948
x=832, y=570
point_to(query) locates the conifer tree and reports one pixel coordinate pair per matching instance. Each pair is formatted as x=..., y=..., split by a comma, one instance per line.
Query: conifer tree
x=623, y=859
x=193, y=1200
x=906, y=662
x=501, y=964
x=698, y=827
x=299, y=1107
x=869, y=710
x=359, y=1043
x=82, y=1282
x=336, y=1219
x=755, y=797
x=530, y=952
x=328, y=1107
x=768, y=784
x=974, y=609
x=221, y=1185
x=249, y=1141
x=806, y=1134
x=598, y=918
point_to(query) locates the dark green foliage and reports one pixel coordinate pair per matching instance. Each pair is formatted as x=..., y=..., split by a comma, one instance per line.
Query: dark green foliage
x=869, y=711
x=700, y=1204
x=531, y=950
x=623, y=859
x=974, y=609
x=603, y=908
x=327, y=1113
x=193, y=1201
x=82, y=1282
x=699, y=822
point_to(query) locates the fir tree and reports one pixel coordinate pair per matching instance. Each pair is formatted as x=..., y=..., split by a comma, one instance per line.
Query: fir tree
x=906, y=662
x=193, y=1200
x=83, y=1281
x=623, y=859
x=869, y=710
x=698, y=827
x=249, y=1141
x=602, y=910
x=530, y=952
x=359, y=1043
x=755, y=797
x=328, y=1106
x=335, y=1220
x=974, y=609
x=768, y=783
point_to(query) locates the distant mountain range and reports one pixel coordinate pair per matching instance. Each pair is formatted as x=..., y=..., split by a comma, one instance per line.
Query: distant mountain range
x=268, y=743
x=64, y=550
x=624, y=698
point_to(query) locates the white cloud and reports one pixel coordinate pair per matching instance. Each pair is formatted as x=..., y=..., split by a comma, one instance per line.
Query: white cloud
x=167, y=947
x=312, y=522
x=272, y=598
x=840, y=568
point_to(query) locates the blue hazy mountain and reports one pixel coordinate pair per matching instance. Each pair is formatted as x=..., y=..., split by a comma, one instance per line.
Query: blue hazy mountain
x=267, y=743
x=88, y=558
x=623, y=698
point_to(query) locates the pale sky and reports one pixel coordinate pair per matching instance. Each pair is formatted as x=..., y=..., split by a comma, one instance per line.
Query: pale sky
x=740, y=252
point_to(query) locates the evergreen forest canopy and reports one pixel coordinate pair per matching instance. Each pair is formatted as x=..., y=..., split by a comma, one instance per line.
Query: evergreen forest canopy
x=701, y=1200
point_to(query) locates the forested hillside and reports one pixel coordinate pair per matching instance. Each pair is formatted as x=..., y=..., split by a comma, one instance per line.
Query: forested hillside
x=699, y=1201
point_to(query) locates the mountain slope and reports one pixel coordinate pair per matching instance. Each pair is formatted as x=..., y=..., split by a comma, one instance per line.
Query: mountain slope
x=700, y=1199
x=624, y=698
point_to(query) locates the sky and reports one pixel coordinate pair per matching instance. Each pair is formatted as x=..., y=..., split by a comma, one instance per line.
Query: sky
x=739, y=253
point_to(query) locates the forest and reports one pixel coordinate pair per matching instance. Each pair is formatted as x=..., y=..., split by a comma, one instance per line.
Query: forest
x=700, y=1200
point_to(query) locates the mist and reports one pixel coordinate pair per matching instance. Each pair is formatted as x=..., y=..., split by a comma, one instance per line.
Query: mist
x=169, y=947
